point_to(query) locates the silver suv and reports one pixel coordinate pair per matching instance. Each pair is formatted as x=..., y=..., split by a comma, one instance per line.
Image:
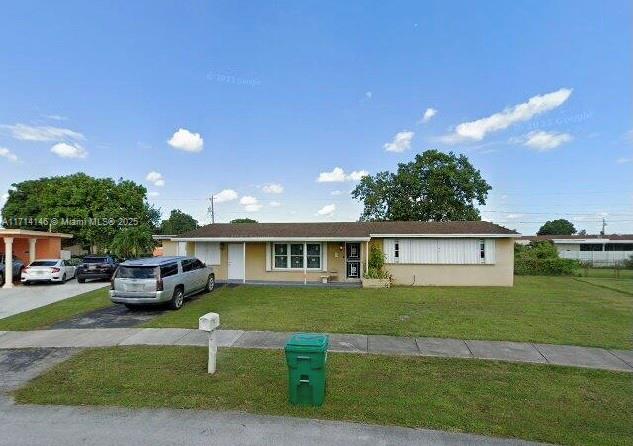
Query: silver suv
x=160, y=280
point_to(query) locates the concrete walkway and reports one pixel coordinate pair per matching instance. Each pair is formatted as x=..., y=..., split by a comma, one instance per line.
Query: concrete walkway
x=24, y=298
x=63, y=425
x=589, y=357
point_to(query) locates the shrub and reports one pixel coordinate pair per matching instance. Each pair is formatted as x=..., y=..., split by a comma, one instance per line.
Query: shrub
x=376, y=264
x=541, y=258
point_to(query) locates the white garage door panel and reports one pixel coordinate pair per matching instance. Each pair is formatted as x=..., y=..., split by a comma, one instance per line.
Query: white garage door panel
x=208, y=252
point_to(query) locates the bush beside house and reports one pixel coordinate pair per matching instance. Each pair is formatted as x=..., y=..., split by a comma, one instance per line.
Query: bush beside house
x=376, y=276
x=541, y=258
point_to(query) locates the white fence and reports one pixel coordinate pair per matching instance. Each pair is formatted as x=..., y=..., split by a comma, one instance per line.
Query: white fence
x=598, y=258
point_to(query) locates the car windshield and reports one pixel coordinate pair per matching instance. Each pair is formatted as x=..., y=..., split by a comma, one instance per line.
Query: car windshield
x=137, y=272
x=44, y=263
x=95, y=260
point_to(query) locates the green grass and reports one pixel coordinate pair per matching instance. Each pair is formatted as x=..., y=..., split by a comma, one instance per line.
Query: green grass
x=48, y=315
x=536, y=402
x=607, y=273
x=622, y=285
x=557, y=310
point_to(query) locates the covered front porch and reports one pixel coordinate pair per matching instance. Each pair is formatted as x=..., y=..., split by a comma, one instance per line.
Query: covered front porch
x=276, y=261
x=26, y=246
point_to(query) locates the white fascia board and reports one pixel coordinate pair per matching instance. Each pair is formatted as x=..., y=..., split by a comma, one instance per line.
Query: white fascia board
x=271, y=239
x=590, y=241
x=444, y=235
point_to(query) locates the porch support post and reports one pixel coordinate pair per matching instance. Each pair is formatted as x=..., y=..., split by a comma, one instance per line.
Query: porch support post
x=244, y=262
x=32, y=242
x=8, y=262
x=366, y=256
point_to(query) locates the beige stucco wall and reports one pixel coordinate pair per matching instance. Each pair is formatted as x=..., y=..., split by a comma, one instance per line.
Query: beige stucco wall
x=256, y=267
x=170, y=248
x=499, y=274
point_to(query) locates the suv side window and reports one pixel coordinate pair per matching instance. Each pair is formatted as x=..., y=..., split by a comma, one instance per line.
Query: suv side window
x=171, y=269
x=197, y=264
x=187, y=265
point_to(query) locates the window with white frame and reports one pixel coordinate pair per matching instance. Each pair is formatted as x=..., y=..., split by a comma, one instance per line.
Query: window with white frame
x=296, y=255
x=482, y=251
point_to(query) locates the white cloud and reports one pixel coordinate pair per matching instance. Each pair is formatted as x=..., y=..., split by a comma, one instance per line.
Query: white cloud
x=64, y=150
x=356, y=175
x=185, y=140
x=251, y=204
x=478, y=129
x=273, y=188
x=428, y=115
x=43, y=133
x=156, y=178
x=544, y=141
x=56, y=117
x=336, y=192
x=327, y=210
x=153, y=194
x=4, y=197
x=401, y=142
x=274, y=204
x=6, y=153
x=369, y=94
x=338, y=175
x=247, y=199
x=225, y=195
x=619, y=160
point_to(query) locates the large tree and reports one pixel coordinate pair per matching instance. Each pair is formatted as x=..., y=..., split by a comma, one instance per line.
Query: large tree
x=178, y=223
x=557, y=227
x=94, y=210
x=243, y=220
x=435, y=186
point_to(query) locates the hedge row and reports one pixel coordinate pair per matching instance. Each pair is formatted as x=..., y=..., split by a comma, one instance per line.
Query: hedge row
x=527, y=266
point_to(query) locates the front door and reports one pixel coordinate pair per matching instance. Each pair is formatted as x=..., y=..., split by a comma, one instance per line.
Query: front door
x=236, y=261
x=352, y=260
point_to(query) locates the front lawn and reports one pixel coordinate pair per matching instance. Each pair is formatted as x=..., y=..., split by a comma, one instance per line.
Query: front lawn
x=556, y=310
x=536, y=402
x=44, y=317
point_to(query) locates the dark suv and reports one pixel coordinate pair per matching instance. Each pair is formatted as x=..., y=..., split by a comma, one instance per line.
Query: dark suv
x=18, y=266
x=96, y=267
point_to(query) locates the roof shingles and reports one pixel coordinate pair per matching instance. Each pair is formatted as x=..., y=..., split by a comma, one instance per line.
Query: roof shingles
x=346, y=229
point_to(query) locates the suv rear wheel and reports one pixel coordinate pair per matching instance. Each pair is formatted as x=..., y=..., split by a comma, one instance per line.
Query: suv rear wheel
x=177, y=300
x=210, y=283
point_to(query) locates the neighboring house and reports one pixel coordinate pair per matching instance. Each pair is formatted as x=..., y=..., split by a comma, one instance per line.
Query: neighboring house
x=30, y=245
x=416, y=253
x=598, y=250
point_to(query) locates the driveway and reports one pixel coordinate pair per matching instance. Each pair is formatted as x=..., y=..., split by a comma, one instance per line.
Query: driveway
x=24, y=298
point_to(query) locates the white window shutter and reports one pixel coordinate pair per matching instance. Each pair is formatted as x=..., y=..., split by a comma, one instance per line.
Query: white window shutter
x=268, y=257
x=324, y=256
x=490, y=251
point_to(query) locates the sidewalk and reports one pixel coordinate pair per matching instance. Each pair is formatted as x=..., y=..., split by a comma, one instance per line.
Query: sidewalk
x=589, y=357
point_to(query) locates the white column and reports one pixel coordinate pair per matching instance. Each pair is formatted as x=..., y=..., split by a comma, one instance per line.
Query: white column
x=366, y=256
x=244, y=262
x=32, y=242
x=8, y=262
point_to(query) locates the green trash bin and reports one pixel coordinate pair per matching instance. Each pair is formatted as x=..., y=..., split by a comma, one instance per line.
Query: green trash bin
x=306, y=356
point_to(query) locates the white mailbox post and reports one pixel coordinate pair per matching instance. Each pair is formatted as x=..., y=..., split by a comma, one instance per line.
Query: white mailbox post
x=209, y=322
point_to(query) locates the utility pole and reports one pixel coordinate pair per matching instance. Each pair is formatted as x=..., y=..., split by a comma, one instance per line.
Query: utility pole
x=211, y=211
x=604, y=224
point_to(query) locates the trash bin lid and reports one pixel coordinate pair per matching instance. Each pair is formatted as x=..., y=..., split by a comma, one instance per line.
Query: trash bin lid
x=314, y=342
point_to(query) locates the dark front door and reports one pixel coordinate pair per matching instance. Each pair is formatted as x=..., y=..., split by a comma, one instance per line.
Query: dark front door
x=352, y=258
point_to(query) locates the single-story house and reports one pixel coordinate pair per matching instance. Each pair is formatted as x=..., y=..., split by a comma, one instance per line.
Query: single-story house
x=28, y=246
x=598, y=250
x=476, y=253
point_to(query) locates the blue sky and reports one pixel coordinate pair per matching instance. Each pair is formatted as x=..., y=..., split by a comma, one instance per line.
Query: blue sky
x=270, y=95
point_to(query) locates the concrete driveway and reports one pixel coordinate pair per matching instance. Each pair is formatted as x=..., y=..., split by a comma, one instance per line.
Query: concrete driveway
x=24, y=298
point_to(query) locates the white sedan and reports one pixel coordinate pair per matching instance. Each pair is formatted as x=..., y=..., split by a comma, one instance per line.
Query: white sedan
x=48, y=270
